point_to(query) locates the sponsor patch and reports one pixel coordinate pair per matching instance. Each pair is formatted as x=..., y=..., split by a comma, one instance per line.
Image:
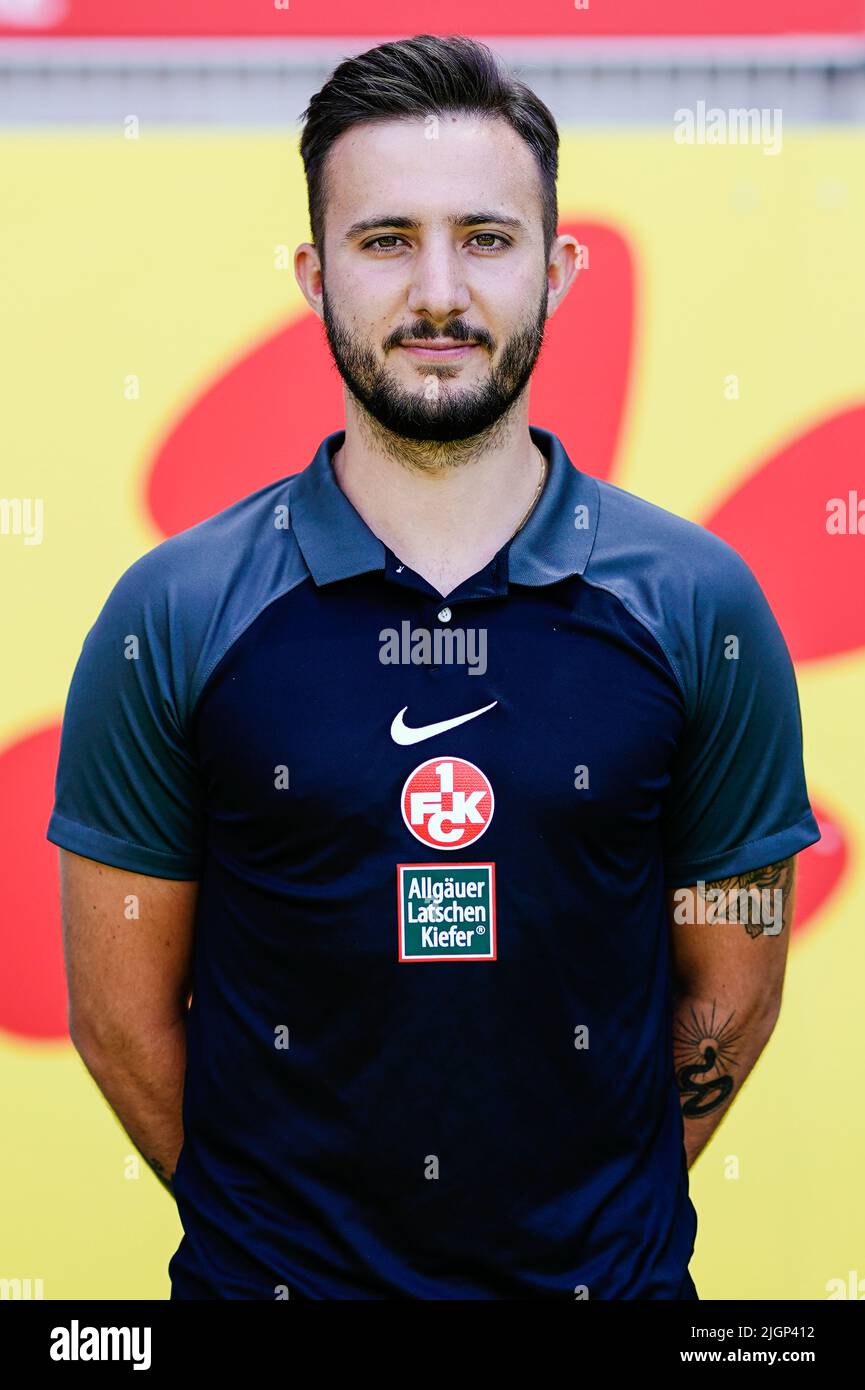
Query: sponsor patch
x=446, y=912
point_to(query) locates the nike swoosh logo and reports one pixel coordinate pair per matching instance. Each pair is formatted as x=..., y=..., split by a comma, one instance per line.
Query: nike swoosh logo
x=400, y=733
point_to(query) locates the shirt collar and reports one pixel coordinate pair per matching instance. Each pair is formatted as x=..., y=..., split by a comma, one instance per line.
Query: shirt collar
x=555, y=542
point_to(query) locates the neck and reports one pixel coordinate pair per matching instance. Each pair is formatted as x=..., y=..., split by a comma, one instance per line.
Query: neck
x=444, y=509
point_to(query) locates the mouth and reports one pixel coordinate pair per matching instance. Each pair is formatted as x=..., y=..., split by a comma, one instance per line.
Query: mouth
x=439, y=350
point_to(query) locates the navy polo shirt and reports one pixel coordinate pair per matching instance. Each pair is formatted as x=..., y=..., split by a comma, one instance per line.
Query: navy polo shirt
x=429, y=1041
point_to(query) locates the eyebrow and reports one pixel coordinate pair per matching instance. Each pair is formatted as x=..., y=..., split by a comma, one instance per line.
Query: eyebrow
x=407, y=224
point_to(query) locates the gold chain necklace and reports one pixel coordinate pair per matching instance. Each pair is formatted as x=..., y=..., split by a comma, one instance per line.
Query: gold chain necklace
x=538, y=491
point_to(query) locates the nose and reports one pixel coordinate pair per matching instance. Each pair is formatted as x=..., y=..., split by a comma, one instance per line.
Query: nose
x=438, y=287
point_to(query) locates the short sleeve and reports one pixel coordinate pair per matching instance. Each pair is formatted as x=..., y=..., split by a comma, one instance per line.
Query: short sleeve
x=127, y=789
x=738, y=797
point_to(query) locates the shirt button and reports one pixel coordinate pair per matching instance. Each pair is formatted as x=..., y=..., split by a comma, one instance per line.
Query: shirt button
x=445, y=615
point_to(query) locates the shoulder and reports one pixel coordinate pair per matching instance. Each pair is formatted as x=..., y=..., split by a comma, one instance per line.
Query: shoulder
x=690, y=588
x=633, y=532
x=205, y=558
x=191, y=595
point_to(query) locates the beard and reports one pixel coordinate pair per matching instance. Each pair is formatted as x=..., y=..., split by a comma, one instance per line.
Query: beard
x=434, y=414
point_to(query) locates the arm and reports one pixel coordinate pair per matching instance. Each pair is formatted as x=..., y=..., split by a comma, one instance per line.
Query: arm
x=127, y=940
x=729, y=943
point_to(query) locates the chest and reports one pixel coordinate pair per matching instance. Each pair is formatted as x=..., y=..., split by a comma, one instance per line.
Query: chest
x=340, y=724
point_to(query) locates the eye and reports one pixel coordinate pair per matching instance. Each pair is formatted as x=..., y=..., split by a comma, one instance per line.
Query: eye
x=373, y=245
x=496, y=236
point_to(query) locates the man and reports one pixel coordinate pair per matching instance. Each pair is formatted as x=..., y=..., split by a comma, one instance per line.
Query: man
x=462, y=791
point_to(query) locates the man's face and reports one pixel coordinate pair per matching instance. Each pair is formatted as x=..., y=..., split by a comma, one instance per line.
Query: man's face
x=435, y=325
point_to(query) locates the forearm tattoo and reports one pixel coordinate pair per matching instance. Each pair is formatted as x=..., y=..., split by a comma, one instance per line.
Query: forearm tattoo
x=705, y=1048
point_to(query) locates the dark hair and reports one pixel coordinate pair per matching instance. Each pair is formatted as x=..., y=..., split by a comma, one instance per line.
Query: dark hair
x=420, y=76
